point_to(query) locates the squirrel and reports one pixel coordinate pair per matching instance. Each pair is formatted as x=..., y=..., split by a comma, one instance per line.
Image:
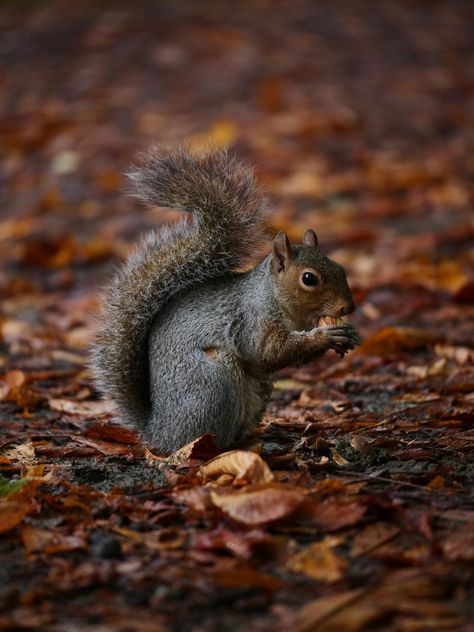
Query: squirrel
x=186, y=344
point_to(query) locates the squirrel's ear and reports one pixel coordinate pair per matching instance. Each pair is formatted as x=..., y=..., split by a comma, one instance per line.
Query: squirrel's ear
x=282, y=254
x=310, y=238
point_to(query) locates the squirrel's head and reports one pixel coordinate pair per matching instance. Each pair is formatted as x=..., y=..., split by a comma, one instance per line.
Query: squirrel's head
x=309, y=286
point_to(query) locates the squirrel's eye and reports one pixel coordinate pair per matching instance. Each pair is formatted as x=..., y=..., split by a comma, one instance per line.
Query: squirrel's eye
x=309, y=279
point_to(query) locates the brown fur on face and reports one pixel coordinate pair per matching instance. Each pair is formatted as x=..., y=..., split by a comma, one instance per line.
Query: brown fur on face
x=303, y=307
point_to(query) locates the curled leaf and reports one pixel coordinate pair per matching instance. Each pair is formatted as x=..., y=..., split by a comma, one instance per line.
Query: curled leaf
x=201, y=448
x=243, y=466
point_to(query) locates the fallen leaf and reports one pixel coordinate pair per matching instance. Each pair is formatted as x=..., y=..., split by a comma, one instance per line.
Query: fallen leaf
x=161, y=539
x=258, y=506
x=9, y=487
x=242, y=466
x=47, y=541
x=312, y=615
x=461, y=355
x=459, y=545
x=246, y=578
x=12, y=513
x=196, y=498
x=373, y=536
x=112, y=432
x=393, y=339
x=201, y=448
x=22, y=452
x=318, y=561
x=35, y=471
x=338, y=458
x=360, y=444
x=332, y=514
x=86, y=409
x=104, y=447
x=242, y=544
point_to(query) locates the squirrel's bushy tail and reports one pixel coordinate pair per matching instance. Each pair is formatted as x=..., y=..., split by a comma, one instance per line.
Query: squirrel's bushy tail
x=227, y=209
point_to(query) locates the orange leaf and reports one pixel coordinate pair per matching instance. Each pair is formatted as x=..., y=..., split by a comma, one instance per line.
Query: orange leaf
x=12, y=513
x=318, y=561
x=392, y=339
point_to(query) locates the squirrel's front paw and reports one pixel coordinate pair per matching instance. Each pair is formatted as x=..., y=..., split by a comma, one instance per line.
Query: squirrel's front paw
x=341, y=337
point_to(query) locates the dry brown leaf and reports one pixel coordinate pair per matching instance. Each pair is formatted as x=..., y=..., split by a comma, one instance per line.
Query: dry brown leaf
x=393, y=339
x=338, y=458
x=197, y=498
x=14, y=378
x=47, y=541
x=112, y=432
x=332, y=514
x=459, y=545
x=104, y=447
x=373, y=536
x=23, y=452
x=245, y=578
x=12, y=513
x=360, y=444
x=312, y=615
x=259, y=506
x=35, y=471
x=355, y=610
x=201, y=448
x=87, y=409
x=242, y=465
x=318, y=561
x=162, y=539
x=461, y=355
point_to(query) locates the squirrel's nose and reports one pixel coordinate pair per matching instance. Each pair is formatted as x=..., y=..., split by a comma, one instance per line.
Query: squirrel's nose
x=346, y=309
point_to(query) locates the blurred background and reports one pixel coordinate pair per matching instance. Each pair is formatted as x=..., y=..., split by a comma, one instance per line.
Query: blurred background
x=358, y=117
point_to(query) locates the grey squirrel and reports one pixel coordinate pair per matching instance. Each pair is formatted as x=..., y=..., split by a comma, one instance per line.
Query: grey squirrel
x=187, y=345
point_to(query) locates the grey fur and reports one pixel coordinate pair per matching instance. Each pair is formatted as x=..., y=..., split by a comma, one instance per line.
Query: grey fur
x=228, y=211
x=187, y=346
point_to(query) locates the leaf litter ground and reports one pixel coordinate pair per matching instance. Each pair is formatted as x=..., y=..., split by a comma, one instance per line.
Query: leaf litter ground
x=352, y=506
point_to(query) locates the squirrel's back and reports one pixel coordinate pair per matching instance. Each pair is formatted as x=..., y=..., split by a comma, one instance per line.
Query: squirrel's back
x=227, y=212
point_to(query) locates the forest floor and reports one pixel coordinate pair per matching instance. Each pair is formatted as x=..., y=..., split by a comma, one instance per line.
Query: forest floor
x=352, y=508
